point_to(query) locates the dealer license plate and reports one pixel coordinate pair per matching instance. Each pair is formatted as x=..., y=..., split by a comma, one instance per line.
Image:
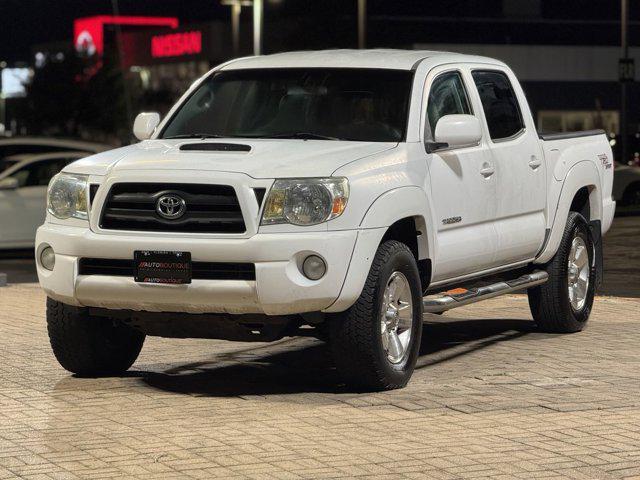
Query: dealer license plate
x=162, y=267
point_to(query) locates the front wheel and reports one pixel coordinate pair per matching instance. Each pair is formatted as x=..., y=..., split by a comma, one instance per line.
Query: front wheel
x=375, y=343
x=91, y=346
x=563, y=304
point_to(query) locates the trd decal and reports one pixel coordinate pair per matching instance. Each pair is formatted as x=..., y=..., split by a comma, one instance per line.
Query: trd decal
x=450, y=220
x=604, y=159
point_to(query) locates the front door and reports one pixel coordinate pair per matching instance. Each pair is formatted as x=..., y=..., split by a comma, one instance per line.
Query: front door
x=463, y=187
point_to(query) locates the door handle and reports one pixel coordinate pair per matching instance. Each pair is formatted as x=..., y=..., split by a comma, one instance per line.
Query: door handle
x=487, y=170
x=535, y=162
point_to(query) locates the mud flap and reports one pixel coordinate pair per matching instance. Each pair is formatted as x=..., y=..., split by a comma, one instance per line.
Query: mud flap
x=596, y=235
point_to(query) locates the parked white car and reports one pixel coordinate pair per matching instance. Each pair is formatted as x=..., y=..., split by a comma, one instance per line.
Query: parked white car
x=346, y=191
x=626, y=185
x=23, y=195
x=12, y=146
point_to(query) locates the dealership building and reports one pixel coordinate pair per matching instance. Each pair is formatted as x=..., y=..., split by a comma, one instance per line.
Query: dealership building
x=171, y=60
x=158, y=51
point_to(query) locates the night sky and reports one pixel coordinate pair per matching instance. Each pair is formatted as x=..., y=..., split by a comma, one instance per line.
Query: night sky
x=24, y=23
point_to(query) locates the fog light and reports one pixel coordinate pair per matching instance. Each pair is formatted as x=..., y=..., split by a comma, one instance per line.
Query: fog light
x=314, y=267
x=48, y=258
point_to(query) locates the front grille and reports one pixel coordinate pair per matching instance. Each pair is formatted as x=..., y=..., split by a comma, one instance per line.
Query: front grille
x=209, y=208
x=199, y=270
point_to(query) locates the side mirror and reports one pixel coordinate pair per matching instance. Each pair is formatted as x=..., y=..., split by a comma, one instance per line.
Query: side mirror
x=9, y=183
x=457, y=131
x=145, y=124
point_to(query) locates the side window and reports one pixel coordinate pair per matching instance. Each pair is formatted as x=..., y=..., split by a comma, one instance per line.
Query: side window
x=39, y=173
x=499, y=103
x=447, y=97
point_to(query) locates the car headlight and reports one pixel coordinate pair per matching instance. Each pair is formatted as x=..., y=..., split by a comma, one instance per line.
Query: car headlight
x=67, y=196
x=305, y=201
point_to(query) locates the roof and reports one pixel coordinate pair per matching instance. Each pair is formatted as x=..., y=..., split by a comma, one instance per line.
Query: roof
x=377, y=58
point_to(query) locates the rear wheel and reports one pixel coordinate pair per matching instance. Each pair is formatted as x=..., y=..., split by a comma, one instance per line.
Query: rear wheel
x=563, y=304
x=89, y=345
x=375, y=343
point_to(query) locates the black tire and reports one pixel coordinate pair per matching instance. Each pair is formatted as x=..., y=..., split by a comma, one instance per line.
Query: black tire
x=88, y=345
x=550, y=303
x=355, y=335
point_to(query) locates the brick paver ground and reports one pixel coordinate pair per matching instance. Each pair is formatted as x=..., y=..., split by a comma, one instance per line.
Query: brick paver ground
x=491, y=397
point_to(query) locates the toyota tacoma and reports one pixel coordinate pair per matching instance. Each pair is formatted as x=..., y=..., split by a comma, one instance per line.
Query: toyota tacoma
x=342, y=194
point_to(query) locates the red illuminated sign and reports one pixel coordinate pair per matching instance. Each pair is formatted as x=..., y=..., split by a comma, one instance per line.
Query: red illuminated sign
x=89, y=32
x=176, y=44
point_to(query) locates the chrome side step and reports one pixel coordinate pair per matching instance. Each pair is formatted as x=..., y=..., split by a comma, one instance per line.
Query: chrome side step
x=458, y=297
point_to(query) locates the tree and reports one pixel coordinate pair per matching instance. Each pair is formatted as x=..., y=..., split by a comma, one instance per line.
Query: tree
x=79, y=97
x=54, y=98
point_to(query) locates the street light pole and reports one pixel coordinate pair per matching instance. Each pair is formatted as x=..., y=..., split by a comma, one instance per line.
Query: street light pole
x=624, y=7
x=236, y=11
x=258, y=11
x=3, y=114
x=362, y=23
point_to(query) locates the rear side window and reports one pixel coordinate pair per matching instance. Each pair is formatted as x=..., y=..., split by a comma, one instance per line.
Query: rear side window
x=447, y=97
x=499, y=103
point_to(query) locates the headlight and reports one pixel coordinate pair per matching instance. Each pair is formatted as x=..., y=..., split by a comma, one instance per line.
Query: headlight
x=67, y=196
x=305, y=201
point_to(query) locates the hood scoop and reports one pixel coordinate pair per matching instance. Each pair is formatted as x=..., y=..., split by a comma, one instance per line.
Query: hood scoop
x=215, y=147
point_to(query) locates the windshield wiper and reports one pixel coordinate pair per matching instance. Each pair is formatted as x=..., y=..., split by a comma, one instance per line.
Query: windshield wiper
x=195, y=135
x=302, y=135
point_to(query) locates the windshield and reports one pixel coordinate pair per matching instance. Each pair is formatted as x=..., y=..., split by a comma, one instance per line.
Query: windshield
x=313, y=103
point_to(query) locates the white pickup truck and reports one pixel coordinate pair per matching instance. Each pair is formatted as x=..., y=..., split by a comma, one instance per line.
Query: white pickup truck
x=337, y=193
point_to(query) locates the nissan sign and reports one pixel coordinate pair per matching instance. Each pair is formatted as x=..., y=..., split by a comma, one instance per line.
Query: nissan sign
x=176, y=44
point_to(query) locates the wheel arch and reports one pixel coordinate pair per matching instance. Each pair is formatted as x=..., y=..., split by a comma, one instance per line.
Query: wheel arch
x=411, y=232
x=402, y=210
x=580, y=193
x=586, y=202
x=400, y=214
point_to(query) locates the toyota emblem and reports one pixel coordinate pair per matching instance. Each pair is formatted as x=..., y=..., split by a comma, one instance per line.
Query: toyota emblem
x=171, y=207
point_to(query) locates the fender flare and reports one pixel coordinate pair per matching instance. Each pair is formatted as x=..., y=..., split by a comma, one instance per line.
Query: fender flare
x=388, y=208
x=582, y=174
x=399, y=203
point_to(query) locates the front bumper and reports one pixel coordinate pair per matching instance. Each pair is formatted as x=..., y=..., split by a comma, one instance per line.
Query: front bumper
x=279, y=288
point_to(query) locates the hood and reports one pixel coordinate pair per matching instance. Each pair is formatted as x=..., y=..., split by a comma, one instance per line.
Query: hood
x=268, y=158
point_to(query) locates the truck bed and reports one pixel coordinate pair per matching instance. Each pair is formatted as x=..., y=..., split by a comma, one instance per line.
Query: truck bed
x=547, y=136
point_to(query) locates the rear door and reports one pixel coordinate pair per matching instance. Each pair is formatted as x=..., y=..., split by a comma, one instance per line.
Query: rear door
x=463, y=197
x=519, y=163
